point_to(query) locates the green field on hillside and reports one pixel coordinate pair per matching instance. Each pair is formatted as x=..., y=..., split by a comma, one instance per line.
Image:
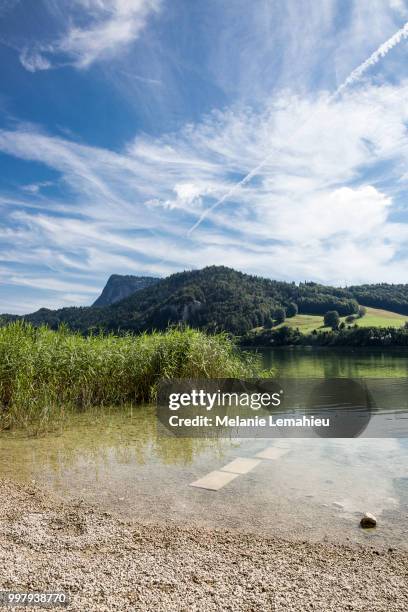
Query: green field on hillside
x=306, y=323
x=381, y=318
x=374, y=318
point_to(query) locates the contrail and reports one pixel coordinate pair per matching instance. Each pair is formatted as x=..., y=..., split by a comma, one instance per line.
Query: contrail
x=374, y=57
x=229, y=193
x=353, y=77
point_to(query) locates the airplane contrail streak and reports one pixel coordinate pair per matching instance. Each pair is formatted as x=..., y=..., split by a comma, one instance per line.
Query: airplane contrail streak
x=353, y=77
x=374, y=57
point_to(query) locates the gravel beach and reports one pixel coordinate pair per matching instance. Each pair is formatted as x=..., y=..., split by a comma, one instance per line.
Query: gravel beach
x=107, y=564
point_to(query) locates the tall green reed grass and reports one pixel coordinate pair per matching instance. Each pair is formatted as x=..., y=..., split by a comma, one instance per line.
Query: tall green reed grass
x=44, y=374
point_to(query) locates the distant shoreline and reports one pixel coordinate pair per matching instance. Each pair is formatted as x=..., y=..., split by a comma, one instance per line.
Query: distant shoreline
x=352, y=337
x=325, y=348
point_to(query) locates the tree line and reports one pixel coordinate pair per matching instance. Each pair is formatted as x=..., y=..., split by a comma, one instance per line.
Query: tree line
x=342, y=336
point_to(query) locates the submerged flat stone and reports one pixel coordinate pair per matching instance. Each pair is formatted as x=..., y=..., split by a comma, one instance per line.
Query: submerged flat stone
x=272, y=452
x=214, y=480
x=282, y=444
x=241, y=465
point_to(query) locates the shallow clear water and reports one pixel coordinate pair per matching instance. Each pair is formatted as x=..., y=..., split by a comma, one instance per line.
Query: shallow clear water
x=317, y=490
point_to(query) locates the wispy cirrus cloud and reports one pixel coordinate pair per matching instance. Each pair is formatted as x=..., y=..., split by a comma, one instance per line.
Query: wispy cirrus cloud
x=399, y=6
x=350, y=80
x=36, y=187
x=97, y=29
x=315, y=210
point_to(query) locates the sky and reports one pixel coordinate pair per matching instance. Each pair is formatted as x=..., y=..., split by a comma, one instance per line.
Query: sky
x=152, y=136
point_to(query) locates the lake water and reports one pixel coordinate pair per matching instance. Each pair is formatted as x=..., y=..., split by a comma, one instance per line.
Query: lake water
x=300, y=362
x=313, y=489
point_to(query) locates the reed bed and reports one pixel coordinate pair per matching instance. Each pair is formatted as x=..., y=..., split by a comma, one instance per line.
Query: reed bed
x=44, y=373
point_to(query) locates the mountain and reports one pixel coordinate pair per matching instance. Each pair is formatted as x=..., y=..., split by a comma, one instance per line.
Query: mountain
x=120, y=287
x=215, y=298
x=218, y=298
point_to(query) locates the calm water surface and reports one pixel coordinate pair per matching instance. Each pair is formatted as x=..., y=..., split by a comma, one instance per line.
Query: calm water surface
x=316, y=490
x=324, y=362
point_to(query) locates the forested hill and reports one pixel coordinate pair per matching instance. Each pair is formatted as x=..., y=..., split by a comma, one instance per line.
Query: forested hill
x=383, y=295
x=214, y=298
x=218, y=298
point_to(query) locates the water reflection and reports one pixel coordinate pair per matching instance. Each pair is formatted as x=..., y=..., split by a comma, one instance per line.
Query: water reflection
x=121, y=435
x=324, y=362
x=120, y=461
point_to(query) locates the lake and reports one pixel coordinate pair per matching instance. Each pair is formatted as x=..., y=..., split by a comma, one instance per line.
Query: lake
x=314, y=489
x=302, y=362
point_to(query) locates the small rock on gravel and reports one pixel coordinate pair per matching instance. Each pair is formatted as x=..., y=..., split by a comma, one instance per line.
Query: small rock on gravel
x=368, y=520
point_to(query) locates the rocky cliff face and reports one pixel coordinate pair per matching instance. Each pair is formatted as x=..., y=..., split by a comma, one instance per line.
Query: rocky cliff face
x=120, y=287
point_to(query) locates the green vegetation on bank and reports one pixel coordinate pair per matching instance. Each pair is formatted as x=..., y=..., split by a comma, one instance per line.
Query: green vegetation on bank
x=347, y=335
x=44, y=373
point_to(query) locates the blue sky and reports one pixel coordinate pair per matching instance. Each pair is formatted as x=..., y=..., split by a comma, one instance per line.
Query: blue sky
x=152, y=136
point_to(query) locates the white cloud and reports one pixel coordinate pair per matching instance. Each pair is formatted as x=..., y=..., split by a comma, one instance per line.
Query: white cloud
x=33, y=60
x=41, y=282
x=314, y=211
x=110, y=25
x=399, y=6
x=36, y=187
x=23, y=306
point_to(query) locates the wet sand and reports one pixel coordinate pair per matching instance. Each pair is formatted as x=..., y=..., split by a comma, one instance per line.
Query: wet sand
x=106, y=563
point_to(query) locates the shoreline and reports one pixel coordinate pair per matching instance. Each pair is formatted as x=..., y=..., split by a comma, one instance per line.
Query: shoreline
x=107, y=563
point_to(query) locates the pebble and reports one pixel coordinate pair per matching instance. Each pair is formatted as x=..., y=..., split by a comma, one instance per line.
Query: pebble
x=368, y=520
